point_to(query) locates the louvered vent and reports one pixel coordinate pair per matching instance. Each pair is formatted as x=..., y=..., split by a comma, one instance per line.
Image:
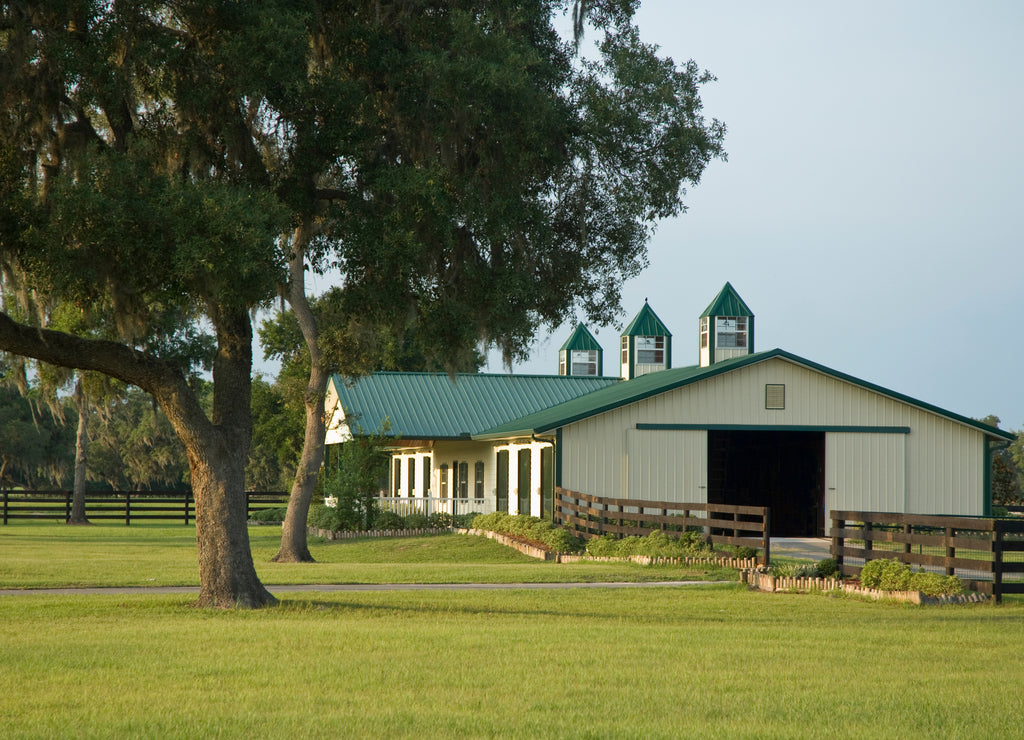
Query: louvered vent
x=775, y=396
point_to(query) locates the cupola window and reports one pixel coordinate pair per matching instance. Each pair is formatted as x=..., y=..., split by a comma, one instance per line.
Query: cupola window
x=730, y=332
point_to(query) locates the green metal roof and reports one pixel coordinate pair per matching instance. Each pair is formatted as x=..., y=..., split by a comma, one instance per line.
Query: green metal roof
x=727, y=303
x=436, y=406
x=581, y=339
x=646, y=324
x=653, y=384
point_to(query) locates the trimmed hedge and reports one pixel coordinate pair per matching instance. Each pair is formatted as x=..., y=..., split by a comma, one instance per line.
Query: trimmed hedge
x=656, y=545
x=892, y=575
x=327, y=517
x=530, y=528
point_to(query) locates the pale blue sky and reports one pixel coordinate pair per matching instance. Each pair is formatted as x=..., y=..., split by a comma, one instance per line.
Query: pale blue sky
x=868, y=213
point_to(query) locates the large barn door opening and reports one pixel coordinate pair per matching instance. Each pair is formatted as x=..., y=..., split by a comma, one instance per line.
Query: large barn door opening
x=782, y=470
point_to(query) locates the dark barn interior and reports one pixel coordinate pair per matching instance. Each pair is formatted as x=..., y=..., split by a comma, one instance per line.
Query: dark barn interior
x=784, y=470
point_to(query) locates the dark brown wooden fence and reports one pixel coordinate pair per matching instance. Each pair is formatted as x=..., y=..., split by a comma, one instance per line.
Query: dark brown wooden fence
x=986, y=554
x=127, y=505
x=593, y=516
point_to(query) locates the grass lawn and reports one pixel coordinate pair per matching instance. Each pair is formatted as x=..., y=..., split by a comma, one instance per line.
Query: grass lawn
x=52, y=555
x=706, y=661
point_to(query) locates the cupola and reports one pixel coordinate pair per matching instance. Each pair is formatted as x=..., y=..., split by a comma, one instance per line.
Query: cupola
x=581, y=355
x=646, y=345
x=726, y=328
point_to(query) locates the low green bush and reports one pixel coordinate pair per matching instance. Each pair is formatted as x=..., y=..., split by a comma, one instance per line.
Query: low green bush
x=794, y=570
x=656, y=545
x=892, y=575
x=530, y=528
x=828, y=568
x=276, y=514
x=439, y=520
x=388, y=520
x=324, y=517
x=417, y=521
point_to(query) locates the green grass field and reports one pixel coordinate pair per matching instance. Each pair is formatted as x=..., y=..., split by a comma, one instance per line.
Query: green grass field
x=703, y=661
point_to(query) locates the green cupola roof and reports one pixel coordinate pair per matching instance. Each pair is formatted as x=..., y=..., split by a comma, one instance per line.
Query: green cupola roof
x=727, y=303
x=646, y=324
x=580, y=339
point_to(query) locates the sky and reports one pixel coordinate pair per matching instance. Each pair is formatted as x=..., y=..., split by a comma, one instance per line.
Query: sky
x=869, y=212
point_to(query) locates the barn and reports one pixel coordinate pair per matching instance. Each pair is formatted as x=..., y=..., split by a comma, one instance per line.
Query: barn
x=740, y=427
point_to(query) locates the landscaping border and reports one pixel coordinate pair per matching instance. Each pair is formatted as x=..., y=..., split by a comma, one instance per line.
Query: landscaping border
x=541, y=554
x=782, y=584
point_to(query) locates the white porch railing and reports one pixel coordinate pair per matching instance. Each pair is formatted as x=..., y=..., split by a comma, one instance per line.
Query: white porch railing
x=406, y=505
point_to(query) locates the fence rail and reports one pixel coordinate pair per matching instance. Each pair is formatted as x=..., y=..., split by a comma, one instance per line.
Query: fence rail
x=987, y=554
x=118, y=505
x=593, y=516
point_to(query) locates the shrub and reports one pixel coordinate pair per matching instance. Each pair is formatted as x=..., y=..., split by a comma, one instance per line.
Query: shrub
x=743, y=553
x=416, y=521
x=324, y=517
x=794, y=570
x=602, y=547
x=388, y=520
x=891, y=575
x=656, y=545
x=827, y=568
x=464, y=521
x=439, y=520
x=276, y=514
x=530, y=528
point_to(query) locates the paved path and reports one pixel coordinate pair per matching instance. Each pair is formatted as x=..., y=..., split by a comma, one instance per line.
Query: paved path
x=334, y=587
x=805, y=548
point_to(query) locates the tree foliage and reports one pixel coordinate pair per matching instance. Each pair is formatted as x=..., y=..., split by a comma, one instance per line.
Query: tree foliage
x=166, y=167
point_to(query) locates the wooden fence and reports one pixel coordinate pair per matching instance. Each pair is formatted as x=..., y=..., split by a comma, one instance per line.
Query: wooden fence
x=987, y=554
x=118, y=505
x=593, y=516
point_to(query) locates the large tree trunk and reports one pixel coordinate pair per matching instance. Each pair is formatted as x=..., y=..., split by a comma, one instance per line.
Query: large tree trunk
x=81, y=457
x=227, y=574
x=217, y=448
x=294, y=547
x=217, y=455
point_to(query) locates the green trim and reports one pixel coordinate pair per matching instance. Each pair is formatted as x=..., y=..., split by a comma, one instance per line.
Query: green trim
x=771, y=428
x=654, y=384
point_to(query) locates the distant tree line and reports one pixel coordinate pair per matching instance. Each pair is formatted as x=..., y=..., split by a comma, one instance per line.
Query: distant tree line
x=1007, y=469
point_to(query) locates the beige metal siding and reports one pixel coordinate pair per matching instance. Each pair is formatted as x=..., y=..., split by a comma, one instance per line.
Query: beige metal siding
x=942, y=462
x=729, y=352
x=667, y=465
x=865, y=472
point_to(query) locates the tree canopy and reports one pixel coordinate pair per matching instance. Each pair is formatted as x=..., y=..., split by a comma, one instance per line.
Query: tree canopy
x=166, y=168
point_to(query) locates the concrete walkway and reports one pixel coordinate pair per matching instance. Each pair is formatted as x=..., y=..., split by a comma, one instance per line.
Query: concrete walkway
x=804, y=548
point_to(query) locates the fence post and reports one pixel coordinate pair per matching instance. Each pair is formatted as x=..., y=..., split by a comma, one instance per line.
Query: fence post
x=838, y=543
x=127, y=508
x=5, y=507
x=867, y=542
x=766, y=540
x=906, y=545
x=67, y=505
x=950, y=550
x=997, y=562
